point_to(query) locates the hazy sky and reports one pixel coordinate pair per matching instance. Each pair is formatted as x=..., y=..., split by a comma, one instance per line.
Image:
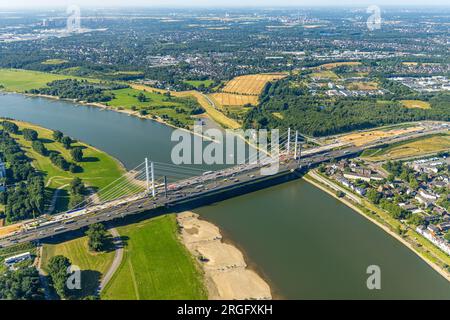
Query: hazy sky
x=210, y=3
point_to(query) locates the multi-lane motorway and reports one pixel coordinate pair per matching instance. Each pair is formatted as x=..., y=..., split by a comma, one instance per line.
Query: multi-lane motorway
x=199, y=187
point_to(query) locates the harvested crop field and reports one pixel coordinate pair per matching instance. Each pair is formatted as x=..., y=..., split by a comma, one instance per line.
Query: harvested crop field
x=4, y=231
x=228, y=99
x=416, y=104
x=366, y=86
x=362, y=138
x=251, y=84
x=428, y=145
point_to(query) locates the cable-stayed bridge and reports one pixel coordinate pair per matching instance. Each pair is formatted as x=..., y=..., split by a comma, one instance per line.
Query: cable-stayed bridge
x=153, y=185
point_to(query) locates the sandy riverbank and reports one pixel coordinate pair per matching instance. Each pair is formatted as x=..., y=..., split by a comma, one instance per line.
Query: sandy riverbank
x=226, y=274
x=311, y=179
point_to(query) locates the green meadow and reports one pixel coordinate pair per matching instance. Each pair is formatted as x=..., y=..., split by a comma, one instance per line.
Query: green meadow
x=156, y=266
x=98, y=168
x=93, y=265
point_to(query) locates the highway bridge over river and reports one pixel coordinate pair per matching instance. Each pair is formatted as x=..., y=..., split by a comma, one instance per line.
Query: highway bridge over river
x=147, y=187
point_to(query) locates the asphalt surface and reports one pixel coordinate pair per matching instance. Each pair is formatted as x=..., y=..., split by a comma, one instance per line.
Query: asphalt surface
x=118, y=244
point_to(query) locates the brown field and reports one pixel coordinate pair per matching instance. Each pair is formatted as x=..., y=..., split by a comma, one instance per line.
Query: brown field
x=362, y=138
x=10, y=229
x=416, y=104
x=413, y=149
x=228, y=99
x=363, y=86
x=144, y=87
x=338, y=64
x=251, y=84
x=278, y=115
x=410, y=63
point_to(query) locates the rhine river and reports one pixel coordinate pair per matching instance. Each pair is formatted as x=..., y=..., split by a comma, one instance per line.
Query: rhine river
x=305, y=243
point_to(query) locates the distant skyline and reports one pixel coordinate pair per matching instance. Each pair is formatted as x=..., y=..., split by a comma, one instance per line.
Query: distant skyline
x=215, y=3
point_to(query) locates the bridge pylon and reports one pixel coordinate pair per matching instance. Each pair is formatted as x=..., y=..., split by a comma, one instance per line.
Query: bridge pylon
x=150, y=177
x=152, y=168
x=296, y=144
x=147, y=175
x=289, y=141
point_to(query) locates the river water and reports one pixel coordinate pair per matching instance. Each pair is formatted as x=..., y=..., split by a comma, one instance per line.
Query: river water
x=304, y=242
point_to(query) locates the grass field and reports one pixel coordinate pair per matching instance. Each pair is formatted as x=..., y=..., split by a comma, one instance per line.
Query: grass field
x=214, y=113
x=324, y=74
x=339, y=64
x=128, y=97
x=251, y=84
x=156, y=265
x=416, y=104
x=54, y=62
x=415, y=148
x=198, y=83
x=99, y=169
x=176, y=107
x=93, y=265
x=23, y=80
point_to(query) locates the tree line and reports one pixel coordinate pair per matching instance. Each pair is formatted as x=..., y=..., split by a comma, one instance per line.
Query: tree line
x=316, y=116
x=80, y=90
x=24, y=196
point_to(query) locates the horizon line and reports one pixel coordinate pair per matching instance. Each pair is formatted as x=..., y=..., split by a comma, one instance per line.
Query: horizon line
x=224, y=6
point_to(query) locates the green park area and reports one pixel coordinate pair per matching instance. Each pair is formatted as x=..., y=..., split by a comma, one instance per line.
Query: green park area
x=97, y=169
x=156, y=266
x=93, y=265
x=198, y=83
x=54, y=62
x=174, y=110
x=22, y=80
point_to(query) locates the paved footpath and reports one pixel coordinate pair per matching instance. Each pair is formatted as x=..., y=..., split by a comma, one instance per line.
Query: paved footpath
x=117, y=241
